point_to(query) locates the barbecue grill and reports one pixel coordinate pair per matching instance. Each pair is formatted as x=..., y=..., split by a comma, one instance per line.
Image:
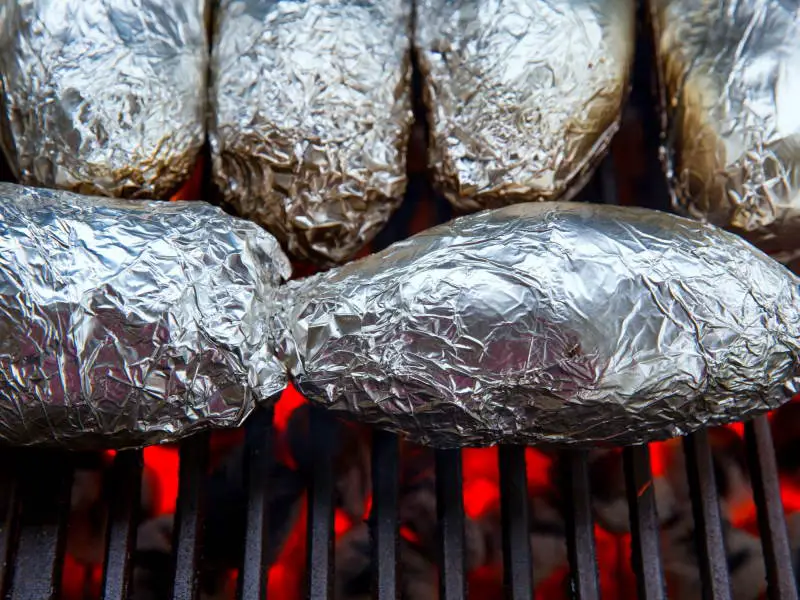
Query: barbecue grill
x=36, y=485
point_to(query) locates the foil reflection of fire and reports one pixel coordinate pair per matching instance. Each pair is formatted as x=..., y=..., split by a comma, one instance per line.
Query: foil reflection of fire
x=418, y=541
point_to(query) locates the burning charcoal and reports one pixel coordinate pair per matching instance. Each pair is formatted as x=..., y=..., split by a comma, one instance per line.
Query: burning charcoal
x=418, y=574
x=607, y=480
x=419, y=543
x=101, y=97
x=679, y=554
x=226, y=509
x=124, y=323
x=731, y=81
x=86, y=528
x=87, y=517
x=351, y=461
x=547, y=535
x=152, y=560
x=556, y=323
x=785, y=427
x=312, y=115
x=523, y=96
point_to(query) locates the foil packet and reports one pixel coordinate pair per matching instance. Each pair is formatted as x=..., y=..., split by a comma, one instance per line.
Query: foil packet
x=129, y=322
x=523, y=97
x=548, y=323
x=311, y=118
x=103, y=97
x=730, y=85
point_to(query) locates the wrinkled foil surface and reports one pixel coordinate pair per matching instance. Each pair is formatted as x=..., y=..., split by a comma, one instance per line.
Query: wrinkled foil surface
x=312, y=115
x=523, y=96
x=127, y=323
x=549, y=323
x=103, y=97
x=730, y=76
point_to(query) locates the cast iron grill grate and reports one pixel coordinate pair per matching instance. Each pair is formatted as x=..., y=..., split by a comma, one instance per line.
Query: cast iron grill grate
x=35, y=494
x=35, y=509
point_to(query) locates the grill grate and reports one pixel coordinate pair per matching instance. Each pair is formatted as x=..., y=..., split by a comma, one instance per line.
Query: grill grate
x=580, y=527
x=771, y=522
x=450, y=511
x=384, y=517
x=645, y=543
x=320, y=506
x=35, y=492
x=126, y=484
x=32, y=534
x=253, y=580
x=517, y=574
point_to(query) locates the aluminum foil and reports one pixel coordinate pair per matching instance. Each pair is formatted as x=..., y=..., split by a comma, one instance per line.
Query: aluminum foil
x=730, y=76
x=125, y=323
x=523, y=96
x=103, y=97
x=312, y=116
x=549, y=323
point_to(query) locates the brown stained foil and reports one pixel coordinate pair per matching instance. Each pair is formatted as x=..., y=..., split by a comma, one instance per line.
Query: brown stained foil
x=312, y=114
x=730, y=75
x=523, y=96
x=126, y=323
x=549, y=323
x=103, y=97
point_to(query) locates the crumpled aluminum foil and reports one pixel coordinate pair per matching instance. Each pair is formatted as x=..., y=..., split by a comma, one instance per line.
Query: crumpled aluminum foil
x=312, y=115
x=523, y=96
x=126, y=323
x=730, y=74
x=549, y=323
x=104, y=97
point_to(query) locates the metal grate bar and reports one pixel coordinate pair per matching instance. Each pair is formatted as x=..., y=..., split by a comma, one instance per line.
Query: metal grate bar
x=384, y=514
x=257, y=462
x=44, y=498
x=771, y=521
x=194, y=456
x=8, y=518
x=580, y=526
x=123, y=515
x=320, y=506
x=707, y=521
x=450, y=511
x=646, y=553
x=517, y=568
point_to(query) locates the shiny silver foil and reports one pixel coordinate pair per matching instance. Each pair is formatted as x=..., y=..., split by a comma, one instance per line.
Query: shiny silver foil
x=312, y=115
x=523, y=96
x=103, y=97
x=125, y=323
x=549, y=323
x=730, y=74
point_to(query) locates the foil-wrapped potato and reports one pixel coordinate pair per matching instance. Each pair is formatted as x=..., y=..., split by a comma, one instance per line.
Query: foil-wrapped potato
x=730, y=75
x=125, y=322
x=311, y=118
x=523, y=96
x=548, y=323
x=103, y=97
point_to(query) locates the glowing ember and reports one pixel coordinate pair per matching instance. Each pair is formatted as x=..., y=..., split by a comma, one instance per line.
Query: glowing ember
x=193, y=188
